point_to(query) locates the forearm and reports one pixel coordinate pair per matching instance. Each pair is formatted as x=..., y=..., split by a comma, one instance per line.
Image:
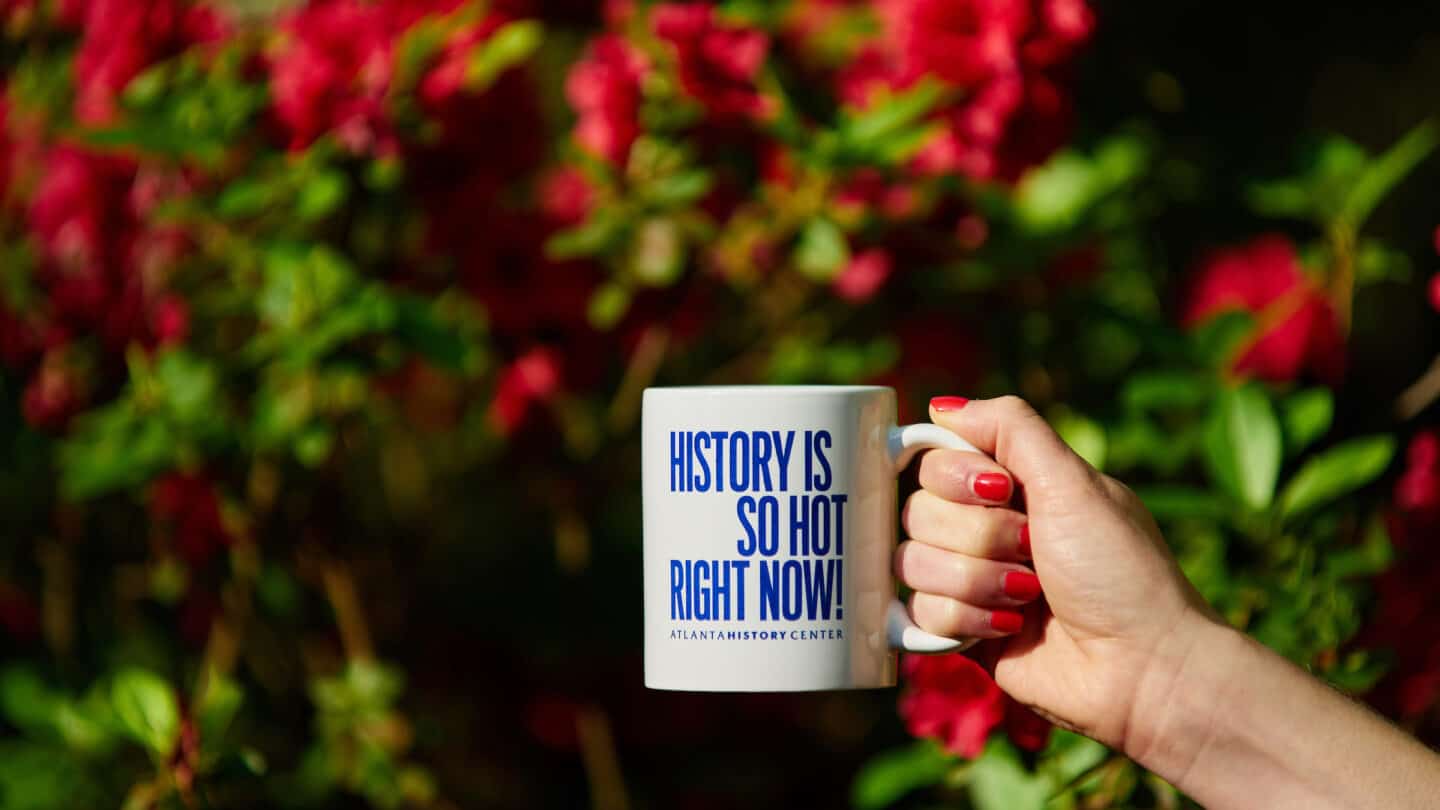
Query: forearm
x=1237, y=726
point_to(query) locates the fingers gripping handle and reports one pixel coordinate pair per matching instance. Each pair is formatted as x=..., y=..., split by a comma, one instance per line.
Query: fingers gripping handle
x=904, y=442
x=907, y=440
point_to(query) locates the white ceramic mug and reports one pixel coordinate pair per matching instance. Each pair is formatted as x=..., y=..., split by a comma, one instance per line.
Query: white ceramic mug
x=770, y=520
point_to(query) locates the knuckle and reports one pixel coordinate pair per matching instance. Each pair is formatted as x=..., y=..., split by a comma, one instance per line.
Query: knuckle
x=1015, y=406
x=938, y=614
x=916, y=514
x=1117, y=490
x=1000, y=532
x=960, y=578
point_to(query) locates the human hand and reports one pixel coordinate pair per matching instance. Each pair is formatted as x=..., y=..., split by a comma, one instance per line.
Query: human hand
x=1118, y=617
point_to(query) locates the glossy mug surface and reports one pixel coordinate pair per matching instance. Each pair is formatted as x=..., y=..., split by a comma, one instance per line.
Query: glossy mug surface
x=770, y=520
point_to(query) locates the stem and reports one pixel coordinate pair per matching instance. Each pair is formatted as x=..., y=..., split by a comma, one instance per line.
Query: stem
x=602, y=764
x=1420, y=394
x=1342, y=277
x=639, y=373
x=345, y=601
x=1387, y=170
x=1085, y=775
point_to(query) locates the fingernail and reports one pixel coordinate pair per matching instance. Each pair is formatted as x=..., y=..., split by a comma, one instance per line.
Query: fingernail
x=1025, y=540
x=1021, y=585
x=944, y=404
x=1007, y=621
x=992, y=486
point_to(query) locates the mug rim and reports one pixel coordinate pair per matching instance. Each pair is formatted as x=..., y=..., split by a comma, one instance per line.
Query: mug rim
x=767, y=389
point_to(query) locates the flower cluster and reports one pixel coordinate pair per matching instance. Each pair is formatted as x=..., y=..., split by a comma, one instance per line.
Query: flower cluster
x=950, y=699
x=1408, y=602
x=1296, y=329
x=333, y=67
x=1005, y=61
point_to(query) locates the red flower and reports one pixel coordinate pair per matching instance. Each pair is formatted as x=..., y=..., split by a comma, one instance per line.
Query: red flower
x=1296, y=326
x=52, y=396
x=718, y=62
x=331, y=73
x=79, y=212
x=532, y=377
x=963, y=42
x=1417, y=493
x=604, y=90
x=170, y=320
x=950, y=699
x=188, y=506
x=123, y=37
x=863, y=276
x=1409, y=603
x=1434, y=290
x=565, y=195
x=1004, y=56
x=868, y=190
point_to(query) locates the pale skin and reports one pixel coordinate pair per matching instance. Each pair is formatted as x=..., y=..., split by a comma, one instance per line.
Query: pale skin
x=1124, y=649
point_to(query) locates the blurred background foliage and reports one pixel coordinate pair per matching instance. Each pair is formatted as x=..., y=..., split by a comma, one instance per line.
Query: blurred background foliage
x=324, y=327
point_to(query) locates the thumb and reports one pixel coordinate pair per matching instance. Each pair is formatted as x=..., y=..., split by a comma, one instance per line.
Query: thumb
x=1012, y=433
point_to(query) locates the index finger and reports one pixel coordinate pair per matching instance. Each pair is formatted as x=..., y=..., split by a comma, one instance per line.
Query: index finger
x=1014, y=435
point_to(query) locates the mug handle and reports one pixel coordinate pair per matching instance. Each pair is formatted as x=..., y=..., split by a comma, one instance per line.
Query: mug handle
x=900, y=630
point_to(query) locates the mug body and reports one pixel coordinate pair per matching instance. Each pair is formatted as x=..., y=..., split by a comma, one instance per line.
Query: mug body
x=769, y=520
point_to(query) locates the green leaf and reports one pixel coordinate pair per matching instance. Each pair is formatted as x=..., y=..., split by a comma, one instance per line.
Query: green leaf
x=217, y=707
x=244, y=198
x=1054, y=196
x=886, y=778
x=1357, y=673
x=1166, y=390
x=1281, y=198
x=608, y=305
x=301, y=283
x=658, y=252
x=1243, y=444
x=1070, y=755
x=44, y=777
x=510, y=45
x=1375, y=262
x=1059, y=194
x=321, y=195
x=445, y=344
x=1307, y=415
x=27, y=701
x=678, y=189
x=113, y=447
x=1387, y=170
x=148, y=86
x=592, y=237
x=147, y=710
x=1217, y=340
x=890, y=116
x=313, y=445
x=999, y=782
x=1084, y=435
x=1371, y=556
x=822, y=250
x=1176, y=502
x=1339, y=470
x=189, y=386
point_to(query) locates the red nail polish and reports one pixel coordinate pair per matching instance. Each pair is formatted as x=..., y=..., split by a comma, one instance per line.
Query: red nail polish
x=992, y=486
x=1007, y=621
x=1021, y=585
x=943, y=404
x=1025, y=540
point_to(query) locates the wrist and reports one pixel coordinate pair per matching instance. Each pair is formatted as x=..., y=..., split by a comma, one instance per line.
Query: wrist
x=1181, y=697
